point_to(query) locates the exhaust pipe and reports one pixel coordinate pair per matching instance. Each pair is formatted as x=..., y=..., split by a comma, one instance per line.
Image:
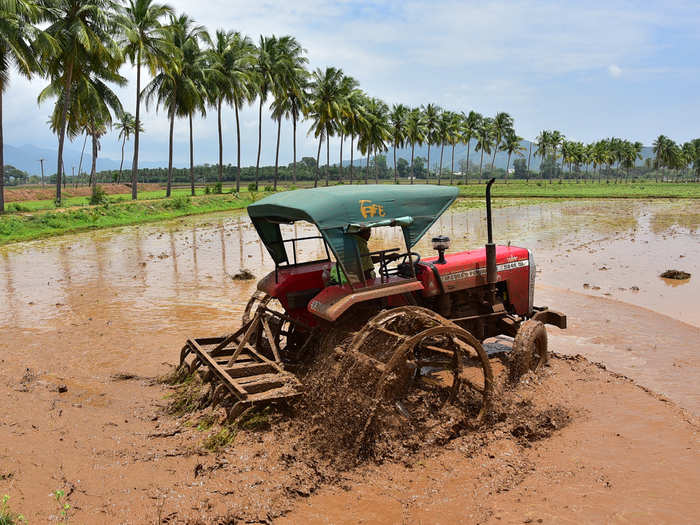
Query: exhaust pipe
x=491, y=273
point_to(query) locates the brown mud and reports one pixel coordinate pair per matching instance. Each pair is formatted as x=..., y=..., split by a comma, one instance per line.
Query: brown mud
x=49, y=192
x=89, y=322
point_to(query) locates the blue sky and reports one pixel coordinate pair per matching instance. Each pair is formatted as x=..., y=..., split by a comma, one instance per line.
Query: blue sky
x=590, y=69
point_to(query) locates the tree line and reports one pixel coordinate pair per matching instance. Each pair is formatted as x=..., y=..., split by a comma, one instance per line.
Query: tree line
x=80, y=45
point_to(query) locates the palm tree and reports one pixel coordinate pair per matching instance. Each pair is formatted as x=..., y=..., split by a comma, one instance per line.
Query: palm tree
x=555, y=139
x=470, y=126
x=663, y=152
x=178, y=85
x=398, y=117
x=453, y=138
x=16, y=34
x=348, y=86
x=502, y=126
x=163, y=88
x=265, y=69
x=442, y=135
x=484, y=140
x=191, y=92
x=292, y=104
x=353, y=120
x=511, y=144
x=82, y=31
x=542, y=144
x=126, y=126
x=325, y=107
x=431, y=117
x=143, y=43
x=218, y=83
x=288, y=69
x=415, y=132
x=238, y=66
x=377, y=131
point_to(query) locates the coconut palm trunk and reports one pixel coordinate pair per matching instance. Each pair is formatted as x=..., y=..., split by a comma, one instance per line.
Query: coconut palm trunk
x=238, y=149
x=191, y=157
x=466, y=170
x=169, y=186
x=221, y=142
x=135, y=163
x=413, y=145
x=376, y=168
x=257, y=164
x=62, y=132
x=352, y=153
x=527, y=175
x=427, y=177
x=82, y=154
x=481, y=164
x=369, y=152
x=396, y=176
x=93, y=168
x=318, y=159
x=442, y=149
x=328, y=158
x=121, y=164
x=452, y=170
x=294, y=141
x=505, y=175
x=277, y=154
x=340, y=166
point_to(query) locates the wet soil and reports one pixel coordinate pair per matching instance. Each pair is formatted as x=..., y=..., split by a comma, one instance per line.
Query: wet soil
x=49, y=192
x=90, y=321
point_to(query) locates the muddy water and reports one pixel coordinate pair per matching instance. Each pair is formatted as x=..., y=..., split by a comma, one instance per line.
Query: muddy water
x=177, y=275
x=80, y=311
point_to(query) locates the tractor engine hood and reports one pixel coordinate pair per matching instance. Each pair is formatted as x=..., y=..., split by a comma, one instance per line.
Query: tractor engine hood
x=465, y=270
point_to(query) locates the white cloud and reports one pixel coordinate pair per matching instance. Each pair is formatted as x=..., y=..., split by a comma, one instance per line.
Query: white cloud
x=614, y=70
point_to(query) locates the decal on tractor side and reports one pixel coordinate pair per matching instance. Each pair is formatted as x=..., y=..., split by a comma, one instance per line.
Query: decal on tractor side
x=457, y=276
x=368, y=209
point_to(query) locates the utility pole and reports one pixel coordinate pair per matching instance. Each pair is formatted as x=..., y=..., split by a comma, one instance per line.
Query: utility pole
x=41, y=161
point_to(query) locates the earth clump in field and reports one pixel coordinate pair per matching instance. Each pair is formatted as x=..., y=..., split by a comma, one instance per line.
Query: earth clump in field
x=677, y=275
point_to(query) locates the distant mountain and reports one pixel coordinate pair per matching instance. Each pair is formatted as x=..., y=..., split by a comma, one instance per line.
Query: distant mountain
x=27, y=158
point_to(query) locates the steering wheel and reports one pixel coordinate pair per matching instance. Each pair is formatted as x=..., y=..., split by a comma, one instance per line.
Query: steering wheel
x=416, y=257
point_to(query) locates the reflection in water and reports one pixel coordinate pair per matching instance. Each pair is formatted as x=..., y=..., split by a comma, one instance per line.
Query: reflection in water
x=128, y=268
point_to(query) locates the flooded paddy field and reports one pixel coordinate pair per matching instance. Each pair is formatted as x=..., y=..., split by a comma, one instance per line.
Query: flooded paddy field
x=88, y=322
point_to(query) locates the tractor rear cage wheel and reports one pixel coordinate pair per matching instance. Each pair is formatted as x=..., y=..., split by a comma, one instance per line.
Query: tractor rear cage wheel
x=434, y=326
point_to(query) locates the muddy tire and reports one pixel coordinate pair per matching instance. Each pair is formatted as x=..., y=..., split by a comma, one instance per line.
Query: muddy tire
x=529, y=349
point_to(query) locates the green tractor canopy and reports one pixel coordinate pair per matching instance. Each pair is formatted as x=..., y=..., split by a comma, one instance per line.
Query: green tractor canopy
x=339, y=210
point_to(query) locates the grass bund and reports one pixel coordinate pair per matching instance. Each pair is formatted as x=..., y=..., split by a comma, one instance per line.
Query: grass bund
x=28, y=220
x=15, y=227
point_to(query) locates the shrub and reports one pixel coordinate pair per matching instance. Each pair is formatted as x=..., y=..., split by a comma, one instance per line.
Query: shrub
x=268, y=188
x=16, y=206
x=218, y=188
x=252, y=187
x=207, y=190
x=180, y=202
x=99, y=196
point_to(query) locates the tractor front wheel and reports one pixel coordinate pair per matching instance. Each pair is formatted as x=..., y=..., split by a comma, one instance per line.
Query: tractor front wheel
x=529, y=349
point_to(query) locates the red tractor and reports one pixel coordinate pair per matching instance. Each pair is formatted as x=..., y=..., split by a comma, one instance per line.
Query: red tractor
x=427, y=315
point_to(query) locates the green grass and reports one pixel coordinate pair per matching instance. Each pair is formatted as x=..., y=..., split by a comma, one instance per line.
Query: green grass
x=7, y=516
x=23, y=227
x=573, y=190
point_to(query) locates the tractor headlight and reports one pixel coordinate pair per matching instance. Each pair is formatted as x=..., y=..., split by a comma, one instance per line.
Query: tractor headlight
x=441, y=243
